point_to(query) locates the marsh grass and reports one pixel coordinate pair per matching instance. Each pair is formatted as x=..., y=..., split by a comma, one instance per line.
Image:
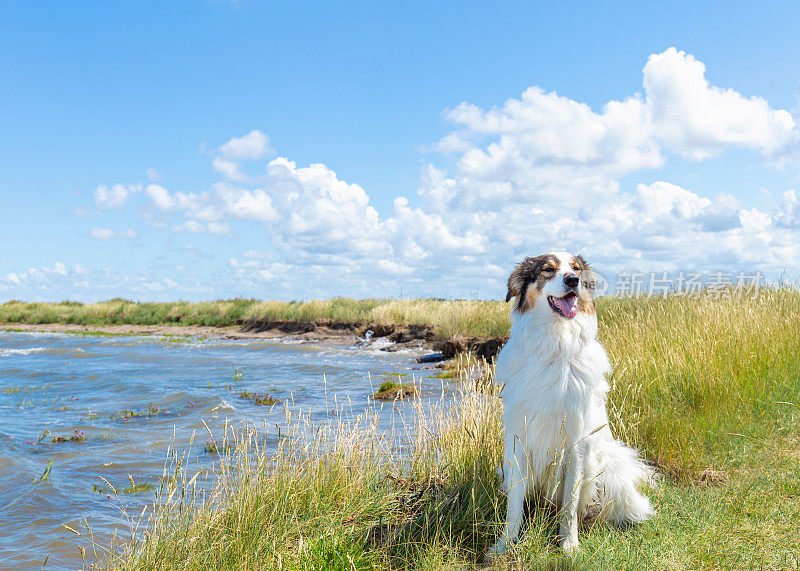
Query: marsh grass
x=707, y=388
x=446, y=317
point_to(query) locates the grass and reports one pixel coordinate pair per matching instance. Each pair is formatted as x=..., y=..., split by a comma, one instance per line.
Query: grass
x=700, y=385
x=446, y=317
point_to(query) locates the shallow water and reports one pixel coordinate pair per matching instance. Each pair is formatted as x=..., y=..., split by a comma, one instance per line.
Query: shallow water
x=67, y=383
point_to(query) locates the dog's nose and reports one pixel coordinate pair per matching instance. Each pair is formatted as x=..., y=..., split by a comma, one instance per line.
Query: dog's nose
x=571, y=280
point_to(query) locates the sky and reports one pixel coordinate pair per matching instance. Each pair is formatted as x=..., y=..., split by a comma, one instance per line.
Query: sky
x=217, y=149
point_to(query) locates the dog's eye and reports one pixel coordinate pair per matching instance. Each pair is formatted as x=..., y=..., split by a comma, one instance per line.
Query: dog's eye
x=576, y=268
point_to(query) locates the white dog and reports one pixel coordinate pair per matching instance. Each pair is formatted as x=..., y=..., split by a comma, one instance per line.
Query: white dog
x=557, y=438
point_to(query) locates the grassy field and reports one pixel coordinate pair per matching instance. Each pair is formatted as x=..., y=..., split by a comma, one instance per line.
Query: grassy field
x=708, y=389
x=446, y=317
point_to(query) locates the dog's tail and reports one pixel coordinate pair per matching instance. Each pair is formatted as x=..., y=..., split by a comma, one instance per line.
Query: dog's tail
x=619, y=474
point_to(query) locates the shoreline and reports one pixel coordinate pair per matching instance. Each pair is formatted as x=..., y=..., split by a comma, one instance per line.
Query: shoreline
x=419, y=337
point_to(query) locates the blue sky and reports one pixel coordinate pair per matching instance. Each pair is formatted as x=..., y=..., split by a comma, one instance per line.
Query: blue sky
x=420, y=100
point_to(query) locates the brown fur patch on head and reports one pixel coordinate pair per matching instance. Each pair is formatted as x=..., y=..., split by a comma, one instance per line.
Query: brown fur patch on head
x=528, y=278
x=586, y=300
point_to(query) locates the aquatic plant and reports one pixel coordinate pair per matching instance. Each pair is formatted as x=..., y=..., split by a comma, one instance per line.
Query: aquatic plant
x=138, y=488
x=46, y=474
x=127, y=414
x=211, y=446
x=77, y=436
x=153, y=410
x=135, y=488
x=260, y=398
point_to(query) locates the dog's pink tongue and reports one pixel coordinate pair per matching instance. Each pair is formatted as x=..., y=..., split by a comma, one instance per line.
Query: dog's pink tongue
x=568, y=305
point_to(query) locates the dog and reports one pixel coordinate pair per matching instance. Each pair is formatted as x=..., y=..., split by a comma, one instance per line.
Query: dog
x=557, y=439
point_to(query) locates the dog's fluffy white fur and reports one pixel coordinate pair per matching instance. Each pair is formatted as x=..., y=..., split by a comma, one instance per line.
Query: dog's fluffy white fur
x=557, y=439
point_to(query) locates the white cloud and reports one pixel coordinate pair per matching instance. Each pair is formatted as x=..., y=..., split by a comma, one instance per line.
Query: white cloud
x=154, y=175
x=108, y=198
x=160, y=196
x=249, y=147
x=229, y=169
x=789, y=214
x=195, y=227
x=108, y=233
x=699, y=120
x=254, y=145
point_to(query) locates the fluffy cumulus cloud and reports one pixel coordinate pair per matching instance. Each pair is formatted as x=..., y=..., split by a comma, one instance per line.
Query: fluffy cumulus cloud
x=543, y=171
x=115, y=196
x=699, y=120
x=538, y=172
x=249, y=147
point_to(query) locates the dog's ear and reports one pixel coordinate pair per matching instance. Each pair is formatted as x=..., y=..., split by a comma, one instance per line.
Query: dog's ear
x=516, y=281
x=582, y=263
x=524, y=275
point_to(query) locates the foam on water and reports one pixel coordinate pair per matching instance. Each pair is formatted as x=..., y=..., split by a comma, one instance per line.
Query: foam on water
x=4, y=352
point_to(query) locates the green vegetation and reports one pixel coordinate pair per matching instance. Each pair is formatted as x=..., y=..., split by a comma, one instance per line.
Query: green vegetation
x=138, y=488
x=126, y=414
x=707, y=388
x=46, y=474
x=446, y=317
x=77, y=436
x=211, y=446
x=260, y=398
x=392, y=390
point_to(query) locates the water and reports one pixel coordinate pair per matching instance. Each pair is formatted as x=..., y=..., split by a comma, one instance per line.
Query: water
x=65, y=383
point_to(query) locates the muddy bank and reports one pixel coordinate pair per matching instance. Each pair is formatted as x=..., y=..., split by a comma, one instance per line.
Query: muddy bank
x=419, y=337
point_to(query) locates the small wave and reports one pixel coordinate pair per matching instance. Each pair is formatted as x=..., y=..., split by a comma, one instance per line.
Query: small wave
x=380, y=343
x=224, y=405
x=9, y=352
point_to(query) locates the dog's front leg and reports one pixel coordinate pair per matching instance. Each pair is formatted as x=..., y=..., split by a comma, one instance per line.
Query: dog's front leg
x=515, y=467
x=573, y=476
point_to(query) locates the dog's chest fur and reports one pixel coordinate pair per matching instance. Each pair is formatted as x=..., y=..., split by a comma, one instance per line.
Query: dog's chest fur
x=555, y=390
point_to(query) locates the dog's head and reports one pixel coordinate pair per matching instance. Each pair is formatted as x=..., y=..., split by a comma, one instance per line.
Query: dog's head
x=562, y=282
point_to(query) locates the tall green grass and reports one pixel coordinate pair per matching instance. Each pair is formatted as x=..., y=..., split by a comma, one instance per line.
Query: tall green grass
x=689, y=371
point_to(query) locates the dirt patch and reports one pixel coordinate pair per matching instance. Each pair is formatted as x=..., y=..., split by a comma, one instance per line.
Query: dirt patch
x=711, y=477
x=325, y=329
x=485, y=348
x=395, y=392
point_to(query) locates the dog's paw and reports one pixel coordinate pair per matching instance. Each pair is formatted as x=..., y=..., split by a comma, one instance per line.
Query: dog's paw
x=495, y=551
x=570, y=545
